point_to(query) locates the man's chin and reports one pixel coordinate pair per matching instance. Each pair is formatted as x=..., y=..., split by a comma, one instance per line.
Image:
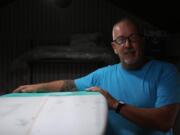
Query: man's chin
x=130, y=61
x=130, y=64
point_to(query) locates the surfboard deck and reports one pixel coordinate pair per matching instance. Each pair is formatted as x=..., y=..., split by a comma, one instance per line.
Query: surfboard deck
x=60, y=113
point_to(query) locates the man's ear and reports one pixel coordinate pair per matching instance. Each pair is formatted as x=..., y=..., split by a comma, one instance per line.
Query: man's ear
x=115, y=51
x=114, y=48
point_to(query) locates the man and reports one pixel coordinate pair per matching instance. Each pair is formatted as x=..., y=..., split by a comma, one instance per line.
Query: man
x=143, y=95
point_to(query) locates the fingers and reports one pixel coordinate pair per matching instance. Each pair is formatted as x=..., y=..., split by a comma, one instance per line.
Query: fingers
x=24, y=88
x=109, y=98
x=95, y=88
x=19, y=89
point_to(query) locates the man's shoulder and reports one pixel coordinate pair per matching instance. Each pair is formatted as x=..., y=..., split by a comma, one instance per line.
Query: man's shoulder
x=110, y=67
x=163, y=65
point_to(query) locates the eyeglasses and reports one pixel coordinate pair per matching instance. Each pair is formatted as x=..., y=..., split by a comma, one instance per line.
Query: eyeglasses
x=134, y=37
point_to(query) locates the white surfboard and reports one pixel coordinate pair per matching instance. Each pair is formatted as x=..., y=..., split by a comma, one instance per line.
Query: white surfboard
x=62, y=113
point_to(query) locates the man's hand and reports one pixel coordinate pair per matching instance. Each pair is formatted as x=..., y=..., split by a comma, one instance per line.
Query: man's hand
x=29, y=88
x=112, y=102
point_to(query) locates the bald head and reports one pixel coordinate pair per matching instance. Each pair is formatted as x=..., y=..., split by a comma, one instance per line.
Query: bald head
x=122, y=25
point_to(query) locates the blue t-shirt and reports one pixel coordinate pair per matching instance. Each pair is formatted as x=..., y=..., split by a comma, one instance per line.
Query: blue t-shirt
x=156, y=84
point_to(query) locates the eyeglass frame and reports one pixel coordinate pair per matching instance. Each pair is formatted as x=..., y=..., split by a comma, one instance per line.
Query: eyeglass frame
x=127, y=38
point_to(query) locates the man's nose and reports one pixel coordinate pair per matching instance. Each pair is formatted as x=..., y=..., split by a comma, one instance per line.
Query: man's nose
x=127, y=43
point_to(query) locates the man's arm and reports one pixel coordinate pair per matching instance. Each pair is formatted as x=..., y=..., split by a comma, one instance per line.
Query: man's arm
x=54, y=86
x=162, y=118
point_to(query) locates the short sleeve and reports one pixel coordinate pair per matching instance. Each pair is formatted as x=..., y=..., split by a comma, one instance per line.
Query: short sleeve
x=168, y=88
x=90, y=80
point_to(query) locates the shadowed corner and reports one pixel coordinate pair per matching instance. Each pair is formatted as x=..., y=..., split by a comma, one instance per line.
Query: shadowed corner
x=60, y=3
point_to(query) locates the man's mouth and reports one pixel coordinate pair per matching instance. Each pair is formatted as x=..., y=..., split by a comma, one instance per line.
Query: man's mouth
x=127, y=52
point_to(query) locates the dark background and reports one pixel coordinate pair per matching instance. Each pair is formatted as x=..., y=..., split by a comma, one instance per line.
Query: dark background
x=38, y=36
x=44, y=40
x=163, y=14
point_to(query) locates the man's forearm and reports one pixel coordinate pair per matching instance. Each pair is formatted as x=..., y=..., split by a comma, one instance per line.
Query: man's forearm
x=54, y=86
x=161, y=118
x=59, y=85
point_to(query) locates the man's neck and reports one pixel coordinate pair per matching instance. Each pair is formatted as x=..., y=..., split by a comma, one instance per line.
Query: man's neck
x=136, y=66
